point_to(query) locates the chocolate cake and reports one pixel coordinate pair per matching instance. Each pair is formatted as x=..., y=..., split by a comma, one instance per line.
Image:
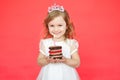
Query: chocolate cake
x=55, y=52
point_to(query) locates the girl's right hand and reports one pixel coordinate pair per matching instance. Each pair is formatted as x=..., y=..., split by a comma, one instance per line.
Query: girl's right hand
x=51, y=60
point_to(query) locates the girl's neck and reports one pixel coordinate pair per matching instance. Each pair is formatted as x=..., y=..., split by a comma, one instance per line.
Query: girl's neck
x=58, y=39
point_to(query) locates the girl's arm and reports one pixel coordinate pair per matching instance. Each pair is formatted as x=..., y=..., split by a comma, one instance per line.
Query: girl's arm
x=74, y=61
x=42, y=60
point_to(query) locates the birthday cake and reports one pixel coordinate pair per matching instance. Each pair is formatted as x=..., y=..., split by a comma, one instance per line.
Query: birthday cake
x=55, y=52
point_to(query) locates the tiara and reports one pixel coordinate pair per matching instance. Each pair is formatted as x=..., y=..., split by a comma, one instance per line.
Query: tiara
x=55, y=7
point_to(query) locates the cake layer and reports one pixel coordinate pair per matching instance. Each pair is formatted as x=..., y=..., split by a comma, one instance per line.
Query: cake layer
x=56, y=57
x=55, y=47
x=55, y=51
x=56, y=54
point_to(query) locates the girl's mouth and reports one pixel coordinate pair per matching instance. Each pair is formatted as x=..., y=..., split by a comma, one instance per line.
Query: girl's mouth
x=56, y=33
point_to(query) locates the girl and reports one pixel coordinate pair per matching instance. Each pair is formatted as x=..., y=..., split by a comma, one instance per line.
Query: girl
x=59, y=33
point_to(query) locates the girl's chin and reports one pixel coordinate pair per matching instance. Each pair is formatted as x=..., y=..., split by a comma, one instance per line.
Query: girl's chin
x=56, y=37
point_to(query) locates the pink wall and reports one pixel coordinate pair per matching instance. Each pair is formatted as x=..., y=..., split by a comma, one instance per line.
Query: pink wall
x=97, y=27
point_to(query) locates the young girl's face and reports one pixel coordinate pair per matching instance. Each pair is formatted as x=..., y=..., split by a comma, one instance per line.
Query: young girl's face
x=57, y=27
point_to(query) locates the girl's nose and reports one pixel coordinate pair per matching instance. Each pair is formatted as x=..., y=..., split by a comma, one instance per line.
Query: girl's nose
x=56, y=28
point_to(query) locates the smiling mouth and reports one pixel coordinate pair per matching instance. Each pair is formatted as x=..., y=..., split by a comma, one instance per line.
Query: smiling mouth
x=56, y=33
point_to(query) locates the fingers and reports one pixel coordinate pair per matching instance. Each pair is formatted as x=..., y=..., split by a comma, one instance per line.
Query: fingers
x=62, y=60
x=51, y=60
x=54, y=60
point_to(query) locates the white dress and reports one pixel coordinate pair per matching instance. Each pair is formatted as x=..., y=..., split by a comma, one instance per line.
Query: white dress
x=58, y=71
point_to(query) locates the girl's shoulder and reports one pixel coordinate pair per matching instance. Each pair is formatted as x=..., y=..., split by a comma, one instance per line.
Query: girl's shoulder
x=46, y=41
x=72, y=40
x=73, y=43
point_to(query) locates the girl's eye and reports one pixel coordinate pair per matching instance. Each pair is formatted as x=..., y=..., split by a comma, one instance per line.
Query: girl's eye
x=51, y=25
x=59, y=25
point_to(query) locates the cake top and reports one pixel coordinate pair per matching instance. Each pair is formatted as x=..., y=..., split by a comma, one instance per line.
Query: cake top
x=55, y=47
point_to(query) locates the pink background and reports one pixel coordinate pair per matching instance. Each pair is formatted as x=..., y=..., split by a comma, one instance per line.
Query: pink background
x=97, y=24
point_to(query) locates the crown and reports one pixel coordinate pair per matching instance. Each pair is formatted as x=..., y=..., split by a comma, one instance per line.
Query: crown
x=55, y=7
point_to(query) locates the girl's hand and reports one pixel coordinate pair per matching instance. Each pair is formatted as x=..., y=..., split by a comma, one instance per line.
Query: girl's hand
x=61, y=60
x=51, y=60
